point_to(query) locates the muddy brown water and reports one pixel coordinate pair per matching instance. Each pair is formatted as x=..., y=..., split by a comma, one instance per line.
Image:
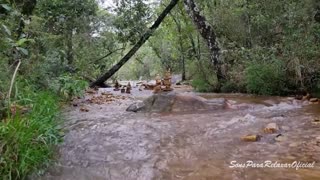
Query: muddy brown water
x=108, y=143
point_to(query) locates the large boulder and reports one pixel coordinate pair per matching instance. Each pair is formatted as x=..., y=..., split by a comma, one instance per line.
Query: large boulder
x=176, y=102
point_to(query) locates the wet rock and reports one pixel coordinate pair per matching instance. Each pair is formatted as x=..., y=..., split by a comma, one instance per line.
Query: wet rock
x=106, y=98
x=280, y=138
x=123, y=90
x=149, y=86
x=316, y=121
x=306, y=97
x=176, y=102
x=271, y=128
x=313, y=100
x=251, y=138
x=74, y=104
x=135, y=107
x=157, y=89
x=84, y=109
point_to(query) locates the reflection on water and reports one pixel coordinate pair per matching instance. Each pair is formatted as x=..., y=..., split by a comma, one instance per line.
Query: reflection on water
x=109, y=143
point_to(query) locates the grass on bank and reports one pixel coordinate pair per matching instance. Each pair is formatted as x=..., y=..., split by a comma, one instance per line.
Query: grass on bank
x=27, y=140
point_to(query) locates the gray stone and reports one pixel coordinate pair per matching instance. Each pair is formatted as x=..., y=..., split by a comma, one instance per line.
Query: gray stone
x=271, y=128
x=316, y=121
x=135, y=107
x=280, y=138
x=176, y=102
x=313, y=100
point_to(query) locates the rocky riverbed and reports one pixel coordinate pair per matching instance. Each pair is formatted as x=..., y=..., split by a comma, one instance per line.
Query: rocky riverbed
x=104, y=141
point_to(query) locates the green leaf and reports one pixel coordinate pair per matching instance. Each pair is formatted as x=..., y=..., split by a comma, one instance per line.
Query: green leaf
x=6, y=30
x=21, y=42
x=9, y=40
x=6, y=7
x=23, y=50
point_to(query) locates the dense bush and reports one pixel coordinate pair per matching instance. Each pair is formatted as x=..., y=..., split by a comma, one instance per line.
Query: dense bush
x=251, y=40
x=230, y=87
x=201, y=85
x=265, y=78
x=68, y=86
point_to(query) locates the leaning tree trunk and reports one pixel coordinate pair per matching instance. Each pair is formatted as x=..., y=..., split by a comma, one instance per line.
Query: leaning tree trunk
x=208, y=34
x=100, y=81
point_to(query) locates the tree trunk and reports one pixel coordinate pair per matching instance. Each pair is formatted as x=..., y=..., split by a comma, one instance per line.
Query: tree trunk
x=183, y=77
x=136, y=47
x=207, y=33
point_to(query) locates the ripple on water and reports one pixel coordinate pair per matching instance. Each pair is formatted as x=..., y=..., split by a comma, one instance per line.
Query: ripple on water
x=112, y=143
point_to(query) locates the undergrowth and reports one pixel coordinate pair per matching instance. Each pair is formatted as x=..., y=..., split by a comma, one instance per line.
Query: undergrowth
x=29, y=134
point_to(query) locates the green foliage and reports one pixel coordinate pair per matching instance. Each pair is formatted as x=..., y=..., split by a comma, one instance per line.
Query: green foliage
x=258, y=31
x=230, y=87
x=63, y=15
x=201, y=85
x=132, y=19
x=68, y=86
x=265, y=78
x=27, y=140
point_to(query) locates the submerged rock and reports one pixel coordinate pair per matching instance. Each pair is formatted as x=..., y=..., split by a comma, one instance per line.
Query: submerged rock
x=176, y=102
x=316, y=121
x=313, y=100
x=271, y=128
x=280, y=138
x=251, y=138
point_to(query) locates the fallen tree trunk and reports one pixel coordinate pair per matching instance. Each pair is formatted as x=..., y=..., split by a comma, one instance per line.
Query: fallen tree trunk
x=136, y=47
x=208, y=34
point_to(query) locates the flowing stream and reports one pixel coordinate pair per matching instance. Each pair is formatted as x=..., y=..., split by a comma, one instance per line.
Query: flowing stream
x=109, y=143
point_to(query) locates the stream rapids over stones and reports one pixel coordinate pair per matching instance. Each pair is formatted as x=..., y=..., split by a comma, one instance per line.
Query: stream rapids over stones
x=185, y=135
